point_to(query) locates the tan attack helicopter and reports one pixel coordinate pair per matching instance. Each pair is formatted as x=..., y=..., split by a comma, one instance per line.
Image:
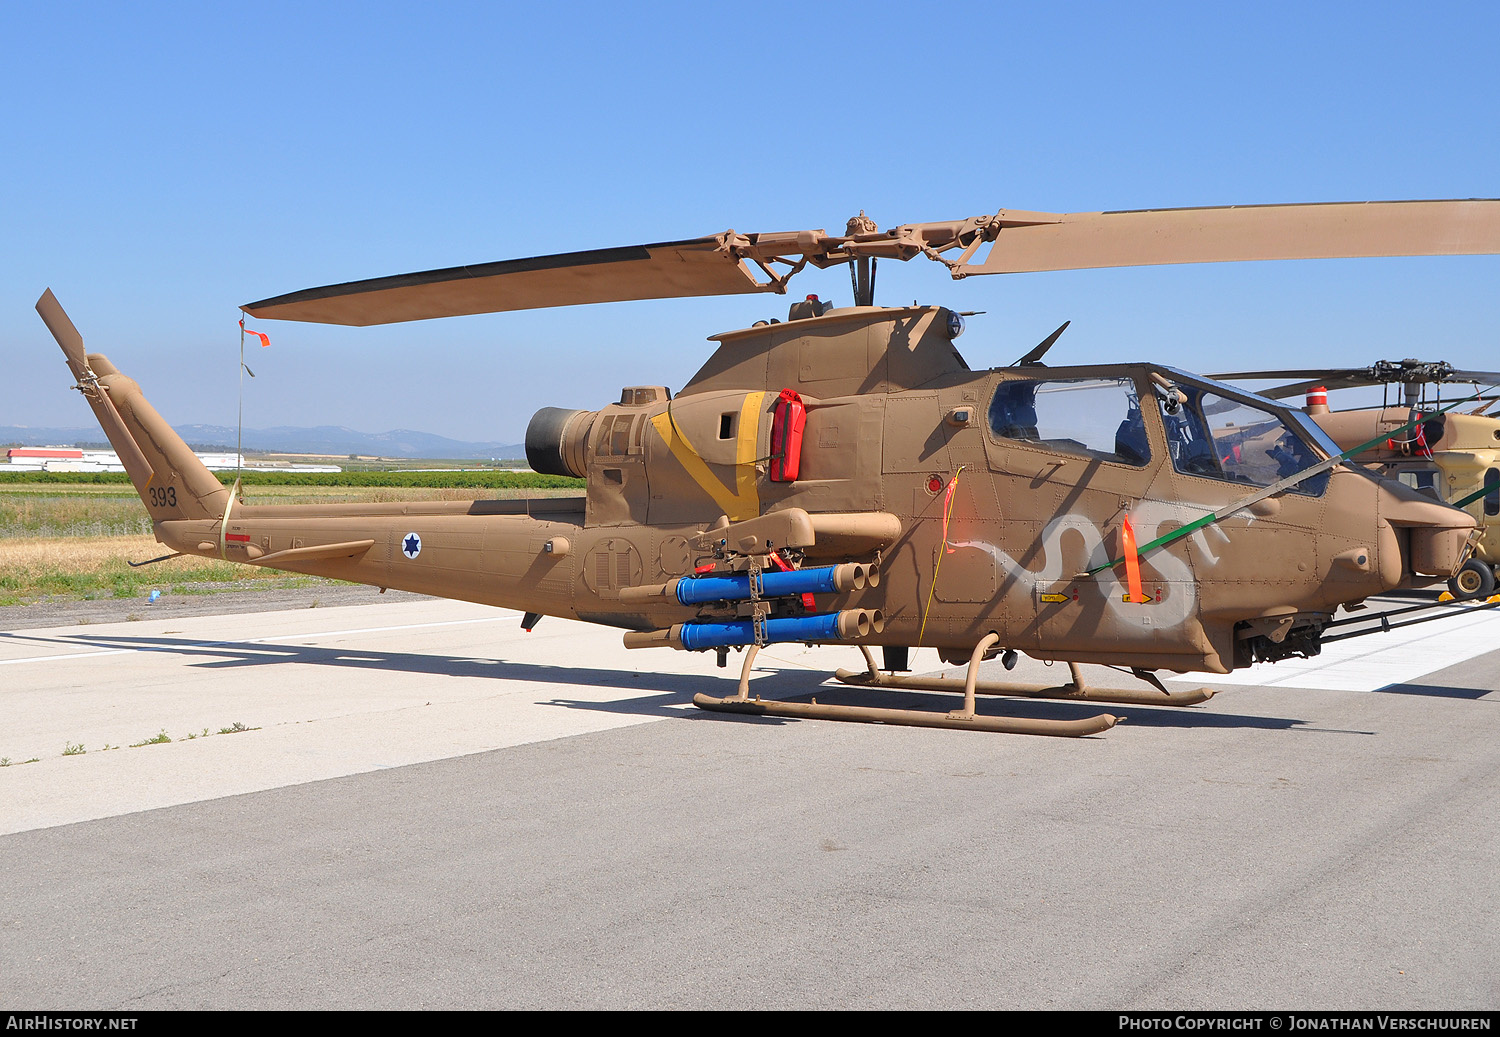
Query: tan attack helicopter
x=1454, y=457
x=845, y=478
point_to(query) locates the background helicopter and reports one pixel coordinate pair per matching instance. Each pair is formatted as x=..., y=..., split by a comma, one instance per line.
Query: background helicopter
x=809, y=482
x=1454, y=456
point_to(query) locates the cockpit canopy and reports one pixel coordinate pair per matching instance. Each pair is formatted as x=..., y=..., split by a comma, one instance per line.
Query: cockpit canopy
x=1212, y=431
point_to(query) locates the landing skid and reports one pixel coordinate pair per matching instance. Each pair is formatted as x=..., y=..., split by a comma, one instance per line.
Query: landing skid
x=1075, y=689
x=965, y=719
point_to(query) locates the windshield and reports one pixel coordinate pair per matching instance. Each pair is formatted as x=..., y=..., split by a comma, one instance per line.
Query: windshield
x=1219, y=433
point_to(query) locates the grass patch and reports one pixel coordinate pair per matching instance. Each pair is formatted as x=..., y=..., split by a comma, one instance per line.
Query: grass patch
x=79, y=568
x=160, y=738
x=73, y=749
x=70, y=535
x=79, y=515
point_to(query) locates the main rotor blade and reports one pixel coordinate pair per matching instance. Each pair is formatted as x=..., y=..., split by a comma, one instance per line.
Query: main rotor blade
x=1333, y=378
x=1315, y=372
x=1385, y=372
x=1350, y=381
x=725, y=264
x=1150, y=237
x=1477, y=377
x=665, y=270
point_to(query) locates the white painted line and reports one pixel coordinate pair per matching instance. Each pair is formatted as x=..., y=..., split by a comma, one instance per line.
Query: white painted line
x=250, y=641
x=320, y=713
x=75, y=655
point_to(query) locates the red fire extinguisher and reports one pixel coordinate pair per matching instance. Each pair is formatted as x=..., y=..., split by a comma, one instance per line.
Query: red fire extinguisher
x=788, y=416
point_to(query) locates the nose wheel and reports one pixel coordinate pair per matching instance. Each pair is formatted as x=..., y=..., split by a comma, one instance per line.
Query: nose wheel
x=1475, y=580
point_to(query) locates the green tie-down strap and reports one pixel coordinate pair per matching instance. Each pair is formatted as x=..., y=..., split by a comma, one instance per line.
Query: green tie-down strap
x=1471, y=498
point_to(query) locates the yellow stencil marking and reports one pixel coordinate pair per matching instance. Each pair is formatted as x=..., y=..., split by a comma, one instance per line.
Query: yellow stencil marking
x=742, y=502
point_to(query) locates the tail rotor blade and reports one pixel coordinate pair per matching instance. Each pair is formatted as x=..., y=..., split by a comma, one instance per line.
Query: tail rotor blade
x=62, y=329
x=115, y=429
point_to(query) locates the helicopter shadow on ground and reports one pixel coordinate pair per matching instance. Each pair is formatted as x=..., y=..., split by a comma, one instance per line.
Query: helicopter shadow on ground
x=1446, y=691
x=999, y=706
x=661, y=694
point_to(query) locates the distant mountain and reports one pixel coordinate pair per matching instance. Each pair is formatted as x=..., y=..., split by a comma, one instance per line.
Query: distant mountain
x=326, y=439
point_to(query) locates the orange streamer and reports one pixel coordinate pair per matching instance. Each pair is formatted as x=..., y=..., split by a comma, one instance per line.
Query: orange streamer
x=1132, y=564
x=948, y=508
x=265, y=340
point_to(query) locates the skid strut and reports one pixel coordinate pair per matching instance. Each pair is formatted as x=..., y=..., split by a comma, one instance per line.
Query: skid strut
x=1075, y=689
x=965, y=719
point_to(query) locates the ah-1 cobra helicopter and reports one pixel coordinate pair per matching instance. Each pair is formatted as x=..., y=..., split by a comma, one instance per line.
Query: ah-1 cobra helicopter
x=844, y=477
x=1455, y=456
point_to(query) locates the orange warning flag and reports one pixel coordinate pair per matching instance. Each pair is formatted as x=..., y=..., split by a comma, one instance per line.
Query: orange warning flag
x=1132, y=563
x=948, y=508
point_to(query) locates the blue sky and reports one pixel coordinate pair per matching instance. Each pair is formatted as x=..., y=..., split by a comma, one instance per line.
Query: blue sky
x=161, y=164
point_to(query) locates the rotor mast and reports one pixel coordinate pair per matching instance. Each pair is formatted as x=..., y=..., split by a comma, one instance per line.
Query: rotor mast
x=862, y=268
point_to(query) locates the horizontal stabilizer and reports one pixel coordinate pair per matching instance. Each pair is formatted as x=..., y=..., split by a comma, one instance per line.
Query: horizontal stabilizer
x=307, y=554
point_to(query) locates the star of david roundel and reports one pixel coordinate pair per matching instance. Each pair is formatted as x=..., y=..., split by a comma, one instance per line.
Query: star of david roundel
x=411, y=545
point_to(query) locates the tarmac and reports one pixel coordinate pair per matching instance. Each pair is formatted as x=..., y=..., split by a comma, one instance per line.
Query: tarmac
x=417, y=805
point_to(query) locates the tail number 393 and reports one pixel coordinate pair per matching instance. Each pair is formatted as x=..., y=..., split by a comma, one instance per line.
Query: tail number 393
x=163, y=496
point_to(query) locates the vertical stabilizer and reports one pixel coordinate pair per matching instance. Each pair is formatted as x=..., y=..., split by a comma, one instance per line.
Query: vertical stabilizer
x=171, y=480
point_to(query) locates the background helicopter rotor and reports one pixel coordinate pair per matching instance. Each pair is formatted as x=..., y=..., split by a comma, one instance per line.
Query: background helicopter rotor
x=1412, y=374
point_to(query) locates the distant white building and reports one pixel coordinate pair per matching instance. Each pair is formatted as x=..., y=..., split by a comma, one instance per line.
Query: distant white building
x=73, y=459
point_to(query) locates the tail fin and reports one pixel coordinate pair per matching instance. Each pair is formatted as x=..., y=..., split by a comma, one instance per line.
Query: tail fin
x=172, y=482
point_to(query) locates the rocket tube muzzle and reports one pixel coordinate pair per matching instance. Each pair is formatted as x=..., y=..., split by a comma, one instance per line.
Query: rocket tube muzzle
x=832, y=579
x=703, y=590
x=826, y=626
x=829, y=579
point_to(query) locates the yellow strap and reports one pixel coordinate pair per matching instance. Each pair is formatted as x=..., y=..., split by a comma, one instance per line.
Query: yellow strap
x=224, y=522
x=742, y=502
x=947, y=512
